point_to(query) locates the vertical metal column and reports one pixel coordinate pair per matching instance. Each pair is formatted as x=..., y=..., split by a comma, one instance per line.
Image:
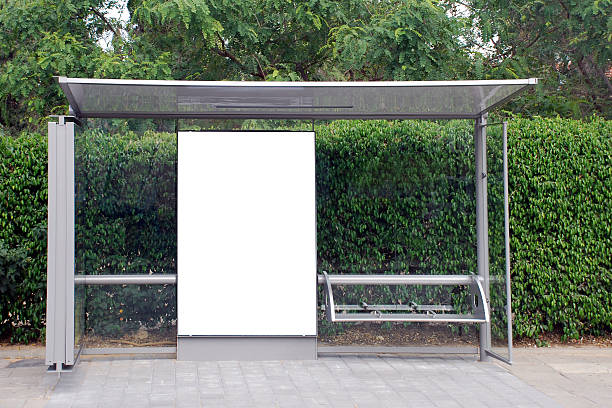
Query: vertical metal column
x=507, y=241
x=60, y=246
x=482, y=225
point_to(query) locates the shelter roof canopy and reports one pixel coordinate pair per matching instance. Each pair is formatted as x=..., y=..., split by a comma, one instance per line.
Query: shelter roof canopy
x=125, y=98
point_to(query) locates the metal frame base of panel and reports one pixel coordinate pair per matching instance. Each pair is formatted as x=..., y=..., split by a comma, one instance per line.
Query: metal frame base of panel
x=153, y=351
x=247, y=348
x=395, y=350
x=60, y=368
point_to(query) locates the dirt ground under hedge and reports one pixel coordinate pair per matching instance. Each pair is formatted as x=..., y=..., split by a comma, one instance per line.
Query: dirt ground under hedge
x=358, y=335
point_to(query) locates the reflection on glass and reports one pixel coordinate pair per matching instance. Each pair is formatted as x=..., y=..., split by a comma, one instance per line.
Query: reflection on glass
x=497, y=256
x=80, y=292
x=125, y=176
x=398, y=198
x=131, y=315
x=79, y=315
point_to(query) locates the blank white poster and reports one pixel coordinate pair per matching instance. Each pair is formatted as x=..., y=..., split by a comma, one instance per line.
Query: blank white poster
x=246, y=234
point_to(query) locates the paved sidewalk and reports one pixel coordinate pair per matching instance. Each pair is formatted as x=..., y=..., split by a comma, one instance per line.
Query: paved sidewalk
x=328, y=382
x=579, y=377
x=23, y=378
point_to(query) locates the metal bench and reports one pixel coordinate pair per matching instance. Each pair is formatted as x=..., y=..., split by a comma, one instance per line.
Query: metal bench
x=407, y=313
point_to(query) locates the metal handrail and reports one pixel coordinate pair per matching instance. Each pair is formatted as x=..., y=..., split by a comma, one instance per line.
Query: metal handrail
x=161, y=279
x=433, y=280
x=170, y=279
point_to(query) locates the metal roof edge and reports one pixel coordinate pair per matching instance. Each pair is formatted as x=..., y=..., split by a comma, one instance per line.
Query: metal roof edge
x=532, y=82
x=146, y=82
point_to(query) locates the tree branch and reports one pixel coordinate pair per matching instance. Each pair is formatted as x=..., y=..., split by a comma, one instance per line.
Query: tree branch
x=262, y=74
x=227, y=54
x=584, y=71
x=223, y=52
x=108, y=24
x=567, y=13
x=600, y=73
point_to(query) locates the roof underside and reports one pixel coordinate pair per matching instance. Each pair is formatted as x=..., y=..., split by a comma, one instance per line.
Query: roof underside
x=120, y=98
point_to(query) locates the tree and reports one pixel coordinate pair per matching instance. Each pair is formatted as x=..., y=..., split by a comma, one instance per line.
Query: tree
x=297, y=40
x=567, y=43
x=43, y=38
x=37, y=39
x=407, y=40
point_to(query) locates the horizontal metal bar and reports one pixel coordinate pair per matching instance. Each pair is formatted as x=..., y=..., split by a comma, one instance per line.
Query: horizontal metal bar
x=398, y=279
x=499, y=357
x=492, y=124
x=423, y=308
x=165, y=279
x=332, y=350
x=128, y=350
x=169, y=279
x=407, y=317
x=297, y=115
x=321, y=350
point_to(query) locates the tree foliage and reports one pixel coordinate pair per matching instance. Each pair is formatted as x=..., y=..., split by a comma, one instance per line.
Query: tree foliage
x=296, y=40
x=38, y=39
x=43, y=38
x=566, y=43
x=412, y=40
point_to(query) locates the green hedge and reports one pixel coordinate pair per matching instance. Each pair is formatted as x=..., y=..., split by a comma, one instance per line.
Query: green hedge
x=561, y=224
x=126, y=224
x=392, y=197
x=396, y=197
x=23, y=236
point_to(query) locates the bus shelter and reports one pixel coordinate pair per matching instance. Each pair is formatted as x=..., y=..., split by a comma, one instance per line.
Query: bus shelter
x=211, y=230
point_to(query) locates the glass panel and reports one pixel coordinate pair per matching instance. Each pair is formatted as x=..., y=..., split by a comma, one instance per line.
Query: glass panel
x=80, y=292
x=185, y=125
x=398, y=198
x=125, y=200
x=429, y=301
x=131, y=316
x=497, y=255
x=125, y=175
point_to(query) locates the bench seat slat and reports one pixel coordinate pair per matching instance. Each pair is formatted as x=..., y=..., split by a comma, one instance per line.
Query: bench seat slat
x=408, y=317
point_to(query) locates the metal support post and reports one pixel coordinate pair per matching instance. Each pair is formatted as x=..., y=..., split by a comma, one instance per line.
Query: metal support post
x=482, y=225
x=60, y=246
x=507, y=240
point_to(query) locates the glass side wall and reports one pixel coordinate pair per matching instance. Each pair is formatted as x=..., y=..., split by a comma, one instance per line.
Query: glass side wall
x=497, y=253
x=80, y=302
x=125, y=203
x=80, y=292
x=392, y=198
x=397, y=198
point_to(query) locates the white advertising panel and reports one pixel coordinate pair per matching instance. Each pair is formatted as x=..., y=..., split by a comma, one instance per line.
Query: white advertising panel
x=246, y=234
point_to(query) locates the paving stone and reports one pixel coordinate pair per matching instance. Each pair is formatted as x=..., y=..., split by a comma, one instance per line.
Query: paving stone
x=35, y=403
x=11, y=403
x=352, y=381
x=58, y=404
